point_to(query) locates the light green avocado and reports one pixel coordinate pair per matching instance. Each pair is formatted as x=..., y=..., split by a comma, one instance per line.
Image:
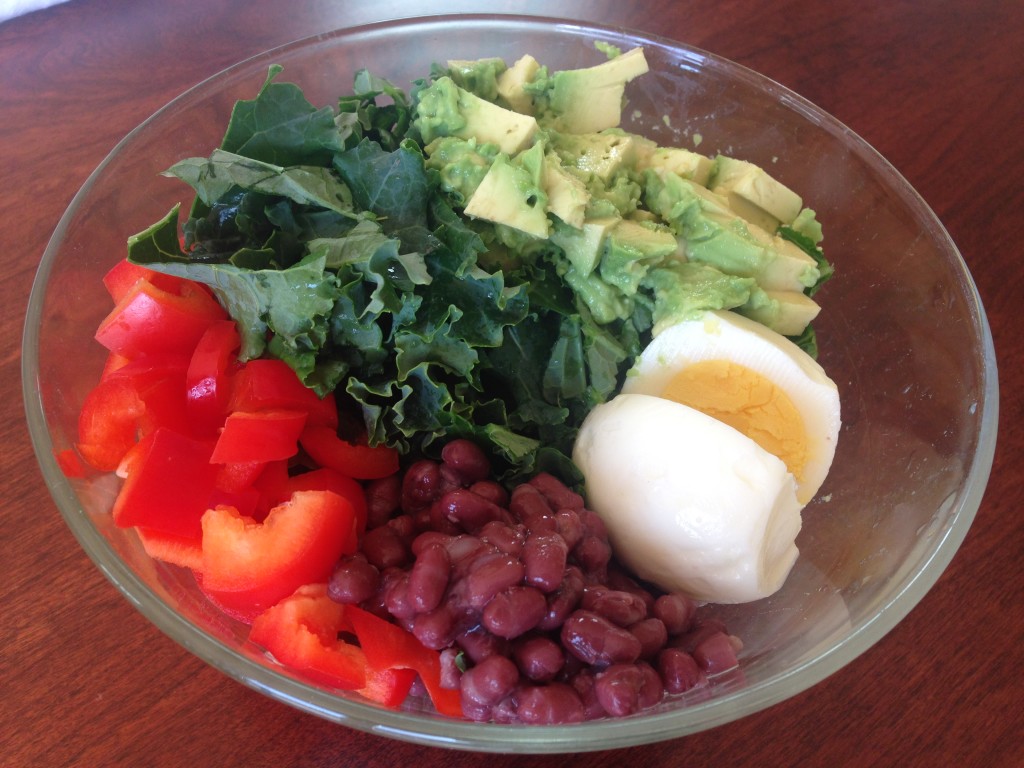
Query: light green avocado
x=445, y=109
x=753, y=193
x=785, y=312
x=590, y=100
x=567, y=194
x=511, y=82
x=461, y=164
x=595, y=154
x=511, y=194
x=684, y=290
x=631, y=249
x=713, y=234
x=682, y=162
x=605, y=302
x=479, y=76
x=583, y=246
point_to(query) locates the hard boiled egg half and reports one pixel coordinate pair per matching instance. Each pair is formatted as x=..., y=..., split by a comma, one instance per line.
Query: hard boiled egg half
x=700, y=467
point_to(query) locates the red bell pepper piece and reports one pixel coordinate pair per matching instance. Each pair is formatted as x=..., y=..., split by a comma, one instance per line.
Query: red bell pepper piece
x=389, y=646
x=248, y=566
x=168, y=485
x=301, y=632
x=124, y=275
x=271, y=384
x=150, y=320
x=169, y=548
x=70, y=463
x=361, y=462
x=259, y=436
x=132, y=400
x=208, y=378
x=326, y=479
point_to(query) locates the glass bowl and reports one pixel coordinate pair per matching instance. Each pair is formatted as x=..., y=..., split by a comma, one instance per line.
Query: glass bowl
x=903, y=333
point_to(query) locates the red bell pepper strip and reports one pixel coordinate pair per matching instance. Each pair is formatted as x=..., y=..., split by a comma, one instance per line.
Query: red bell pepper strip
x=168, y=485
x=361, y=462
x=70, y=463
x=124, y=275
x=168, y=548
x=301, y=632
x=248, y=566
x=149, y=320
x=259, y=436
x=133, y=400
x=389, y=646
x=325, y=479
x=271, y=384
x=208, y=378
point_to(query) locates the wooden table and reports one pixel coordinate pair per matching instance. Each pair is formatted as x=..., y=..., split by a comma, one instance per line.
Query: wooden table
x=935, y=87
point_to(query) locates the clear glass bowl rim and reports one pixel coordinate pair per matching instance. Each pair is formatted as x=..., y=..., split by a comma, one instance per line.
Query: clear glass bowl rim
x=605, y=734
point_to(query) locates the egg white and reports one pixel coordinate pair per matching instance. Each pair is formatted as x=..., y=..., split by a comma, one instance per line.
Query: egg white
x=690, y=503
x=727, y=336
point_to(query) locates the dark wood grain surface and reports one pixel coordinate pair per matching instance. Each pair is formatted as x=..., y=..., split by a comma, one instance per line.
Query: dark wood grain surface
x=936, y=87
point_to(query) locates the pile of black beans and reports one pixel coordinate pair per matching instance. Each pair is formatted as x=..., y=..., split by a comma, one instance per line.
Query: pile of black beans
x=521, y=594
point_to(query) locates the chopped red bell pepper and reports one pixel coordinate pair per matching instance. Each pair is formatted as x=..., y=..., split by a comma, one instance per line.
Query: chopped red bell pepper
x=124, y=275
x=248, y=566
x=168, y=485
x=361, y=462
x=208, y=378
x=301, y=632
x=150, y=320
x=389, y=646
x=168, y=548
x=259, y=436
x=326, y=479
x=132, y=400
x=271, y=384
x=70, y=463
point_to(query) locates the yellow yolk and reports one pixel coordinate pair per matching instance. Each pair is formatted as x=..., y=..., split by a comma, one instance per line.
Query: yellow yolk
x=747, y=402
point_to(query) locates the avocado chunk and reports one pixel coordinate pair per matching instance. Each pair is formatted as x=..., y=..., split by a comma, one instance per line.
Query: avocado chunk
x=445, y=109
x=479, y=76
x=595, y=154
x=583, y=246
x=510, y=194
x=590, y=100
x=712, y=234
x=785, y=312
x=753, y=194
x=511, y=81
x=683, y=291
x=631, y=249
x=460, y=163
x=567, y=194
x=682, y=162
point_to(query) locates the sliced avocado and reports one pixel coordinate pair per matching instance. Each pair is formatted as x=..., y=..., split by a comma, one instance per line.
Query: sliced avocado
x=712, y=234
x=786, y=312
x=754, y=194
x=479, y=76
x=567, y=194
x=631, y=250
x=683, y=291
x=597, y=154
x=445, y=109
x=590, y=100
x=604, y=301
x=682, y=162
x=460, y=163
x=511, y=82
x=583, y=246
x=509, y=194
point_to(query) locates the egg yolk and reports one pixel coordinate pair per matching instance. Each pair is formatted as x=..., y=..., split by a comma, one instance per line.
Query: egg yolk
x=747, y=402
